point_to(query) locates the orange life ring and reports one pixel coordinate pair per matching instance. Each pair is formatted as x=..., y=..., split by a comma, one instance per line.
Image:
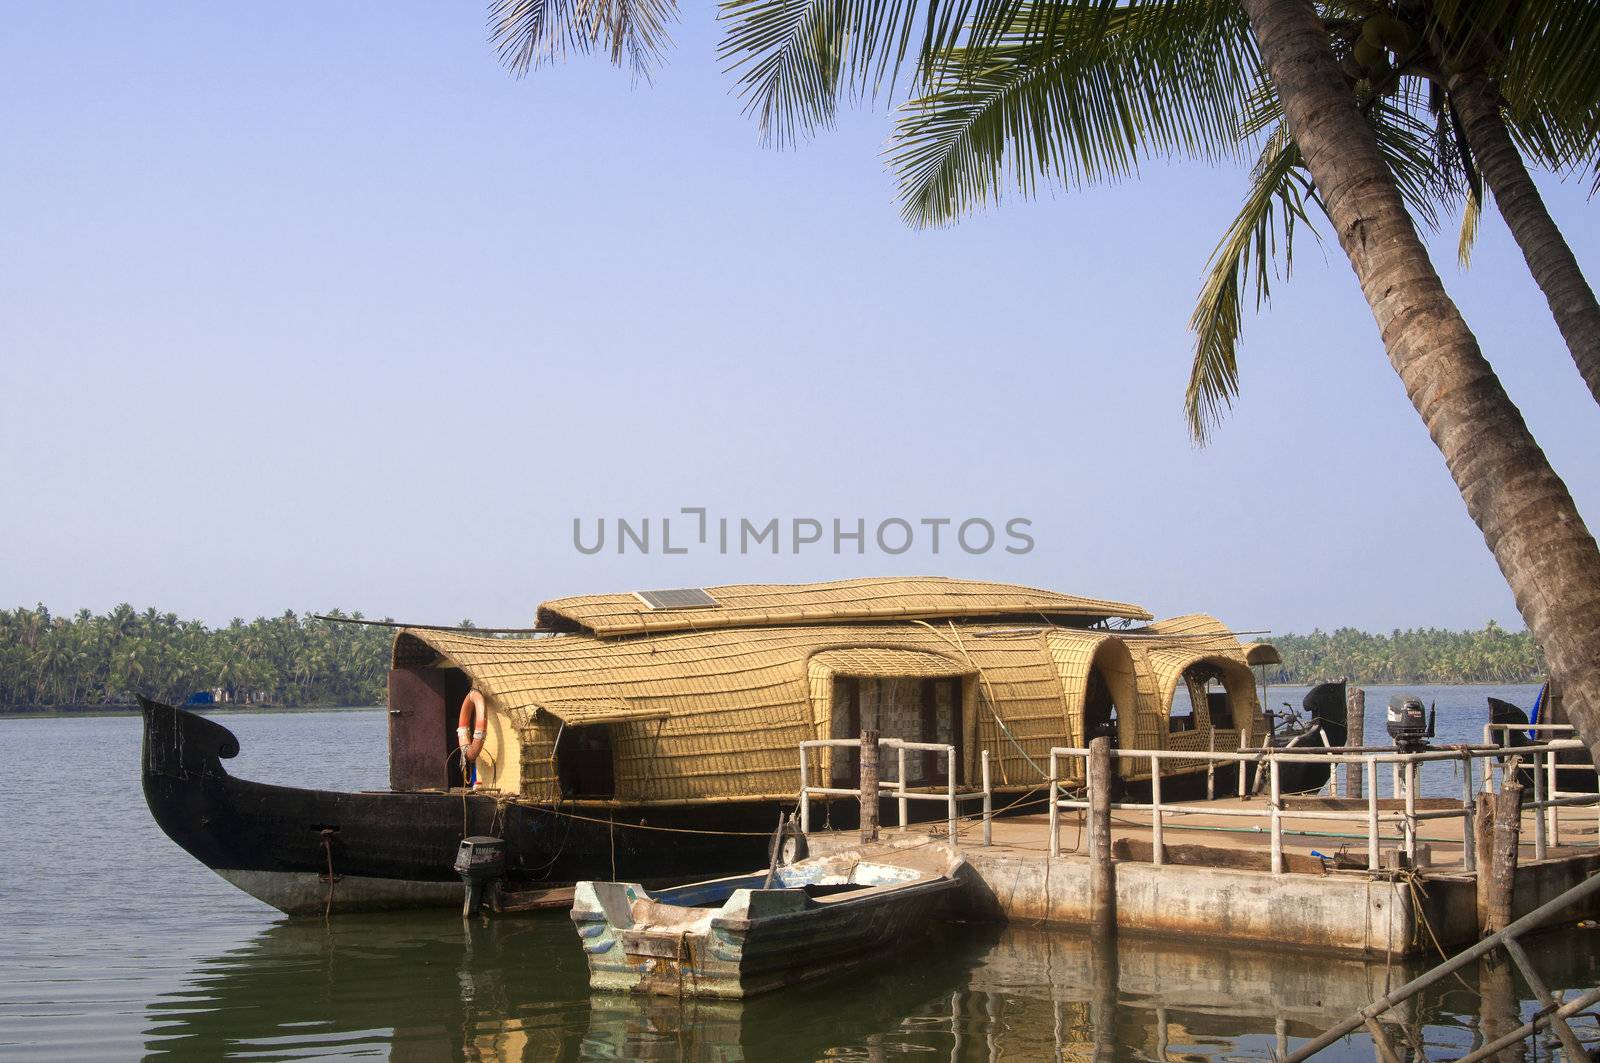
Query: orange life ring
x=474, y=714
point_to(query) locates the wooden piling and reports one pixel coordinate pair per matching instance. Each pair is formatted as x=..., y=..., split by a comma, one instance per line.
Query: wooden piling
x=1356, y=716
x=1497, y=828
x=869, y=786
x=1499, y=1010
x=1102, y=881
x=1105, y=977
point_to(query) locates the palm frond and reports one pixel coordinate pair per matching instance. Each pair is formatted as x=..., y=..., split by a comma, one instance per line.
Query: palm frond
x=1469, y=227
x=792, y=58
x=526, y=33
x=1540, y=53
x=1410, y=146
x=1244, y=261
x=1105, y=93
x=1549, y=69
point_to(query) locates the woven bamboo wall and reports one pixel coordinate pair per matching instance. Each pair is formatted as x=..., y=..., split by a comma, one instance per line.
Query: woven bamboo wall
x=721, y=712
x=1075, y=653
x=1192, y=639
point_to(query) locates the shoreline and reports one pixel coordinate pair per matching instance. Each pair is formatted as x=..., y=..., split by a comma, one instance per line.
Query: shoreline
x=49, y=711
x=132, y=709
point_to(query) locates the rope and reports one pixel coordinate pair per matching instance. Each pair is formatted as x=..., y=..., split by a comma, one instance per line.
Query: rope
x=646, y=826
x=990, y=701
x=1419, y=893
x=327, y=851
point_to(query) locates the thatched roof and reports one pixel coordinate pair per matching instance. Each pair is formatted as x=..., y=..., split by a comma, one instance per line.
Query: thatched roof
x=1262, y=653
x=707, y=715
x=773, y=605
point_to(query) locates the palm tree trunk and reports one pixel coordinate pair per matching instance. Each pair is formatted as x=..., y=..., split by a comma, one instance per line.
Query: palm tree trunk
x=1527, y=517
x=1550, y=260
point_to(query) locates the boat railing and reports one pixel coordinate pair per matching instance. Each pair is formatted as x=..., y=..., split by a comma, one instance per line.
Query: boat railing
x=903, y=793
x=1405, y=770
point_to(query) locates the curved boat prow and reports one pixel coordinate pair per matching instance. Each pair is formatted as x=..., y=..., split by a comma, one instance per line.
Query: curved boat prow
x=301, y=851
x=181, y=745
x=1504, y=712
x=1327, y=704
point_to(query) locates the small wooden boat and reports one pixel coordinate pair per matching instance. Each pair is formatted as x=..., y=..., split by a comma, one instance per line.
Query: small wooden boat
x=739, y=936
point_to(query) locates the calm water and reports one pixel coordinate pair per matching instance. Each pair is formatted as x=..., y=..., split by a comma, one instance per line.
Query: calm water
x=115, y=944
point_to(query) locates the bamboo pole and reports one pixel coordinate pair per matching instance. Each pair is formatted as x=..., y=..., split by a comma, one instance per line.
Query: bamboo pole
x=1534, y=919
x=1503, y=856
x=1530, y=973
x=1054, y=810
x=1102, y=881
x=1356, y=716
x=869, y=786
x=900, y=786
x=988, y=803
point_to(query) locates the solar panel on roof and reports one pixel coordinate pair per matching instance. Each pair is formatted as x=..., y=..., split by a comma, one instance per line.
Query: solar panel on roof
x=678, y=598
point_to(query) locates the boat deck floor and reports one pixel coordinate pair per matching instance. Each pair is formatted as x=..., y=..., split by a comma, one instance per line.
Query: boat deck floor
x=1194, y=832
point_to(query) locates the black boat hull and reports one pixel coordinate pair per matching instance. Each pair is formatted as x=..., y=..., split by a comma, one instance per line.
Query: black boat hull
x=309, y=851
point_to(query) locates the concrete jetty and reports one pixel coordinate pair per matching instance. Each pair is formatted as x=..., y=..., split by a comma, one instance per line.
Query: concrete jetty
x=1215, y=880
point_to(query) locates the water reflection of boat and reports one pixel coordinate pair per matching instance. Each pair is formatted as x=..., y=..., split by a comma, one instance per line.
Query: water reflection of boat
x=427, y=990
x=413, y=990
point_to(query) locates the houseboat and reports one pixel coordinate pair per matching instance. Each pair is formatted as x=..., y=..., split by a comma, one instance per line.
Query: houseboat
x=654, y=736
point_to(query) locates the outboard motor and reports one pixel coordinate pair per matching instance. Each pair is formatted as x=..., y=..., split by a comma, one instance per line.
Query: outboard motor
x=1410, y=725
x=479, y=861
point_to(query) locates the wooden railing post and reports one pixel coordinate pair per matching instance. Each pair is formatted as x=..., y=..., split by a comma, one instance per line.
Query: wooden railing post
x=1102, y=881
x=1158, y=845
x=900, y=785
x=1497, y=824
x=1211, y=766
x=988, y=803
x=1053, y=809
x=1372, y=814
x=1551, y=790
x=869, y=786
x=1411, y=813
x=1539, y=795
x=950, y=792
x=1277, y=816
x=1501, y=866
x=1356, y=717
x=805, y=794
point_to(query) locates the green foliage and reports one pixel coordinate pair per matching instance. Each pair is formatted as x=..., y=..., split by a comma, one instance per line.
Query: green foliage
x=1107, y=89
x=1422, y=655
x=48, y=661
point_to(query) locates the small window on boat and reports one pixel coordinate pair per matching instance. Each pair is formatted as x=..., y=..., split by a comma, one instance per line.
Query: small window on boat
x=1219, y=703
x=1202, y=684
x=585, y=763
x=1181, y=717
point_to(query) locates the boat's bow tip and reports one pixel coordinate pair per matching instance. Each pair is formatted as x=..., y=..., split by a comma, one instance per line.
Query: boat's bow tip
x=177, y=740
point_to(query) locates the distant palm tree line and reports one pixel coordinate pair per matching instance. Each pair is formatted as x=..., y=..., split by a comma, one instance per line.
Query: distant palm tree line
x=1421, y=655
x=84, y=660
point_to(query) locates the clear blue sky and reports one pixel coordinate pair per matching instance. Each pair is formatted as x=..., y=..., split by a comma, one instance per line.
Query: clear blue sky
x=314, y=305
